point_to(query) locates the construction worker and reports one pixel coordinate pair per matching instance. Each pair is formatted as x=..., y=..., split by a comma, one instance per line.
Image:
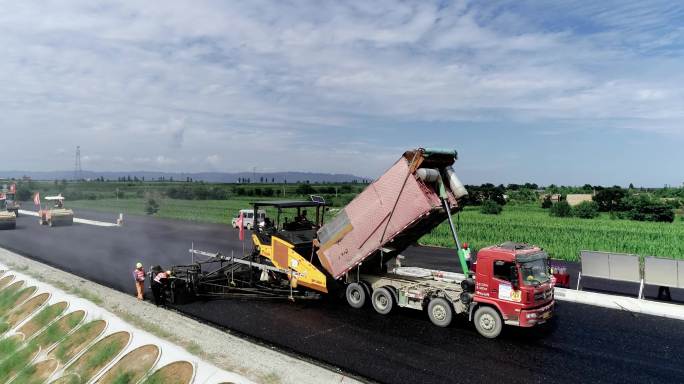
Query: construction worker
x=139, y=277
x=160, y=279
x=465, y=253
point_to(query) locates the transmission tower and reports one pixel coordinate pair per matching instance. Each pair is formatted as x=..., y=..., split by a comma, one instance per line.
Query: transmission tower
x=78, y=172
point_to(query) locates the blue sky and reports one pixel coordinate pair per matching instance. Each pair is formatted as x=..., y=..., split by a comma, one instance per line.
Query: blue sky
x=550, y=92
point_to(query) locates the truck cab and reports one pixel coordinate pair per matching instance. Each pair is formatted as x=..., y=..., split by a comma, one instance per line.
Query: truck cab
x=512, y=284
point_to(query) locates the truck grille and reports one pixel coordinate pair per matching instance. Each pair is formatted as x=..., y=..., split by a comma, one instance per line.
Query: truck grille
x=543, y=295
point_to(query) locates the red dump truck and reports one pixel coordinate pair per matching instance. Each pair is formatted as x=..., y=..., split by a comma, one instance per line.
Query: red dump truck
x=510, y=285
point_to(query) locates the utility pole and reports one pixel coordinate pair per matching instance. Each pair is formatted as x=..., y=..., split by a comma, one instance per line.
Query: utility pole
x=77, y=164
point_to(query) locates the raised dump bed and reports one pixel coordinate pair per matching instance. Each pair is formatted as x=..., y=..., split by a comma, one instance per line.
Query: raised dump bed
x=393, y=212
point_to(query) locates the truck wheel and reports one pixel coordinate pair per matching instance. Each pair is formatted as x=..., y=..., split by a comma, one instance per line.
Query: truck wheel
x=488, y=322
x=356, y=295
x=382, y=301
x=440, y=312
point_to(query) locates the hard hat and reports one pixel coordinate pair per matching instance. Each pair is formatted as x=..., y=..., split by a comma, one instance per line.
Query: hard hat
x=138, y=265
x=465, y=245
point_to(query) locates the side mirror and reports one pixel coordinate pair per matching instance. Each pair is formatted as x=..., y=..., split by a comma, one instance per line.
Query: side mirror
x=514, y=277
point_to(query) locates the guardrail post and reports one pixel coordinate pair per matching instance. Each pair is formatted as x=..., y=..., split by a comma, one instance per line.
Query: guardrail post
x=579, y=278
x=641, y=289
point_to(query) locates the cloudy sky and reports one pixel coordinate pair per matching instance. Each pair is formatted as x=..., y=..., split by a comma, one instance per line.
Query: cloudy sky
x=551, y=92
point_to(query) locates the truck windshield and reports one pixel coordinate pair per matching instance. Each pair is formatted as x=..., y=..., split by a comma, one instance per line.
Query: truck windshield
x=535, y=271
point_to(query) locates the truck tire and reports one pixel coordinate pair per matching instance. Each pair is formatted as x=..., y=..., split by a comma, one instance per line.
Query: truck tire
x=356, y=295
x=440, y=312
x=382, y=300
x=488, y=322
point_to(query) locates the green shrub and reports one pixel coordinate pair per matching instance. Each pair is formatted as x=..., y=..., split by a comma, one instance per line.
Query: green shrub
x=586, y=210
x=546, y=203
x=561, y=209
x=490, y=207
x=151, y=207
x=643, y=208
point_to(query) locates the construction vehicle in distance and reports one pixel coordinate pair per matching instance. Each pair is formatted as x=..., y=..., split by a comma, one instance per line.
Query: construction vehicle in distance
x=511, y=283
x=11, y=203
x=55, y=214
x=8, y=219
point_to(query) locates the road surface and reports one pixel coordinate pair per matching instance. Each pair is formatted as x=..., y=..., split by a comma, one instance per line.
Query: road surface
x=589, y=344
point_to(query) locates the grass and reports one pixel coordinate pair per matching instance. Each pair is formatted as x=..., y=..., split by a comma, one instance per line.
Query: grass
x=26, y=374
x=563, y=238
x=194, y=348
x=163, y=376
x=155, y=379
x=9, y=299
x=8, y=346
x=211, y=211
x=48, y=314
x=64, y=351
x=59, y=329
x=76, y=291
x=123, y=378
x=102, y=354
x=161, y=332
x=271, y=378
x=16, y=360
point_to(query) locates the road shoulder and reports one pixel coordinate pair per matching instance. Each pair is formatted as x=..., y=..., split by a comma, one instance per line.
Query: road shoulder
x=226, y=351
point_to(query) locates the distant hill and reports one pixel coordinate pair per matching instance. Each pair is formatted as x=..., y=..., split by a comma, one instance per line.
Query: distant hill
x=213, y=177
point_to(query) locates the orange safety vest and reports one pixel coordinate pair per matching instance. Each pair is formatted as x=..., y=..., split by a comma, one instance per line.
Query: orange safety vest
x=139, y=274
x=160, y=275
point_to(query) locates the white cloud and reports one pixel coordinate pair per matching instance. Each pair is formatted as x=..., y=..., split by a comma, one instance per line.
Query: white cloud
x=125, y=79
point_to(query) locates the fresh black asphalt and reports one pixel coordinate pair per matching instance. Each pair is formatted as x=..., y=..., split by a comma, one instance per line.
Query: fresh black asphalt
x=586, y=344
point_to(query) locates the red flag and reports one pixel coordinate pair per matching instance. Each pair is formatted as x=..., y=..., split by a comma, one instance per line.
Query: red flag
x=36, y=198
x=240, y=222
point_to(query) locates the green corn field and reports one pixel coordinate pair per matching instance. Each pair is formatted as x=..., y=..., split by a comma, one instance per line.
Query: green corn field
x=562, y=238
